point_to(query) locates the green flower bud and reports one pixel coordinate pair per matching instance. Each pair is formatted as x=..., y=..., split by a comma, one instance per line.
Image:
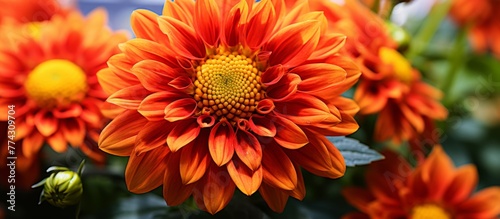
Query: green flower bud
x=63, y=189
x=399, y=35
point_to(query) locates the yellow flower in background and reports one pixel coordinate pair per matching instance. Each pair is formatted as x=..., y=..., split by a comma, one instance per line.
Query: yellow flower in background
x=216, y=96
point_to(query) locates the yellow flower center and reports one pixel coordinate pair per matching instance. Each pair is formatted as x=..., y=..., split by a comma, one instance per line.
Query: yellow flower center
x=228, y=86
x=401, y=67
x=56, y=82
x=429, y=211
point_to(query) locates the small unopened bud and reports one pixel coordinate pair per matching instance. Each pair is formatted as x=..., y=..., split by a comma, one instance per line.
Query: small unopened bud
x=62, y=188
x=399, y=35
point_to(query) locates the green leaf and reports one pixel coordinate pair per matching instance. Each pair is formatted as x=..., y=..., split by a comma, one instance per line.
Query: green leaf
x=354, y=152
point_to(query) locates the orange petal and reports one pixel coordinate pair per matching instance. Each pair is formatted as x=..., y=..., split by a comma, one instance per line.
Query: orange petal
x=46, y=123
x=272, y=75
x=338, y=162
x=216, y=190
x=194, y=160
x=437, y=172
x=74, y=131
x=166, y=70
x=283, y=89
x=180, y=109
x=141, y=49
x=304, y=109
x=174, y=192
x=221, y=142
x=118, y=137
x=262, y=126
x=484, y=204
x=278, y=168
x=153, y=106
x=145, y=25
x=145, y=170
x=350, y=68
x=347, y=126
x=385, y=128
x=300, y=190
x=293, y=44
x=275, y=198
x=109, y=80
x=462, y=186
x=318, y=77
x=414, y=118
x=110, y=110
x=314, y=157
x=129, y=97
x=265, y=106
x=246, y=180
x=262, y=19
x=234, y=16
x=293, y=14
x=346, y=105
x=74, y=110
x=23, y=129
x=182, y=134
x=180, y=10
x=57, y=142
x=182, y=83
x=153, y=75
x=369, y=98
x=32, y=144
x=248, y=149
x=288, y=134
x=187, y=42
x=207, y=21
x=151, y=136
x=328, y=45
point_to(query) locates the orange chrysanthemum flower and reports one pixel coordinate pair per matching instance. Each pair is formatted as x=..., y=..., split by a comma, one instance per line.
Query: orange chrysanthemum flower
x=434, y=189
x=49, y=76
x=215, y=96
x=389, y=86
x=29, y=10
x=483, y=17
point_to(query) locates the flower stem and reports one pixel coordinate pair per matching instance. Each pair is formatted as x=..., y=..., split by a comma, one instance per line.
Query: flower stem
x=455, y=61
x=428, y=29
x=78, y=210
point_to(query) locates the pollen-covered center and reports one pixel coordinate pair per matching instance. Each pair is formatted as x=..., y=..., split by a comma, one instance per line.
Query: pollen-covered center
x=429, y=211
x=56, y=83
x=228, y=86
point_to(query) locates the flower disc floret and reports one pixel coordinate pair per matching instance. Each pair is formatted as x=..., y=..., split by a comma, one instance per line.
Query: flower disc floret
x=228, y=86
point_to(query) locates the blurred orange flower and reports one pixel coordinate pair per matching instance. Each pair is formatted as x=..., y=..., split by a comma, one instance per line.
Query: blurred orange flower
x=482, y=16
x=434, y=189
x=216, y=96
x=29, y=10
x=49, y=75
x=389, y=86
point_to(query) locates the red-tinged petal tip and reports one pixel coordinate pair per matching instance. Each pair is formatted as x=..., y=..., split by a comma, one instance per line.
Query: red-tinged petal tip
x=221, y=142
